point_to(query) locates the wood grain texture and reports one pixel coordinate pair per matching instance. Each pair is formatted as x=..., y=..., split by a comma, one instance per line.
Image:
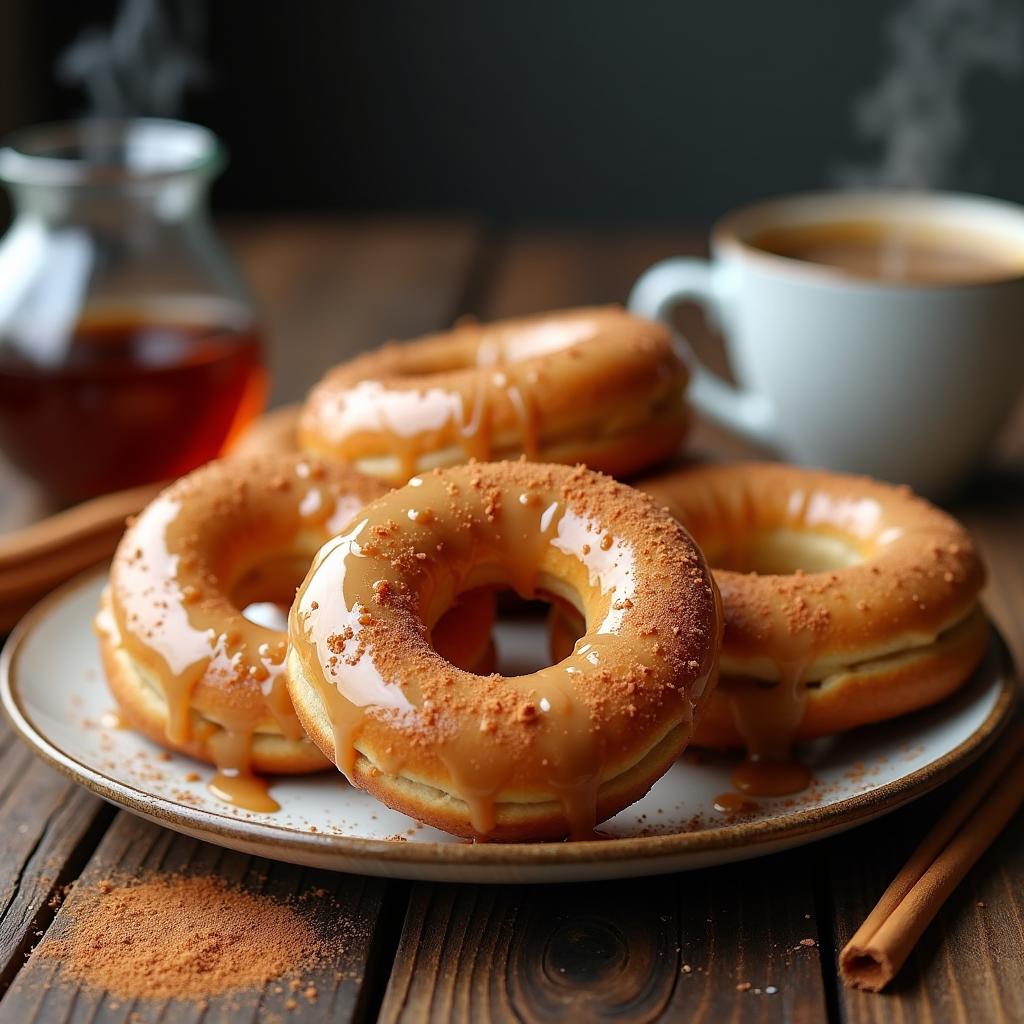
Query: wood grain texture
x=995, y=518
x=703, y=947
x=49, y=826
x=133, y=848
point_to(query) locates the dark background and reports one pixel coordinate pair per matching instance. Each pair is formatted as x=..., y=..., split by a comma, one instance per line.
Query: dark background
x=563, y=111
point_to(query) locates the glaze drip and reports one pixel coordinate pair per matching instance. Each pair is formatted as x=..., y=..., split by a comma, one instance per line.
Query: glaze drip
x=496, y=390
x=361, y=623
x=225, y=536
x=768, y=717
x=820, y=573
x=234, y=782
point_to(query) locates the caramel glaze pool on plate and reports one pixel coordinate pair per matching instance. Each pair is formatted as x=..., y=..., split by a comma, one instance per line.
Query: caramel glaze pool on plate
x=847, y=601
x=507, y=757
x=593, y=385
x=734, y=803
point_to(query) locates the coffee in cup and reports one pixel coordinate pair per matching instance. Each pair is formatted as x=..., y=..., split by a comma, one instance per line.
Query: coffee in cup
x=895, y=253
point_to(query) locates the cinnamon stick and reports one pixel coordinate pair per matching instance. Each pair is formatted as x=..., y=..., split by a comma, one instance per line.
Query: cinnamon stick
x=873, y=957
x=83, y=521
x=40, y=575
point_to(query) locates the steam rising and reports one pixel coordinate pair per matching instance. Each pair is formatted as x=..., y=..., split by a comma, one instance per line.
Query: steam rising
x=143, y=64
x=917, y=112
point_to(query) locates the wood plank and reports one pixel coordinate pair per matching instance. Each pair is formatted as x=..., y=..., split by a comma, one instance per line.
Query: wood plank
x=329, y=288
x=50, y=826
x=135, y=849
x=709, y=946
x=996, y=521
x=532, y=271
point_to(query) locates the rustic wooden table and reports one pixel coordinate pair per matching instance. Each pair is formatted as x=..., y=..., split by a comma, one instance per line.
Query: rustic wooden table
x=577, y=952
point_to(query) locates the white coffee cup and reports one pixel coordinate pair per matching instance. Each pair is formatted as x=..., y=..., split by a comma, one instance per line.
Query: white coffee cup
x=905, y=382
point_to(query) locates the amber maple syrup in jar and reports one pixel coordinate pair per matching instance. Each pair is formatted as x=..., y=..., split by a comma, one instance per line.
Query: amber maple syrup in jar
x=129, y=351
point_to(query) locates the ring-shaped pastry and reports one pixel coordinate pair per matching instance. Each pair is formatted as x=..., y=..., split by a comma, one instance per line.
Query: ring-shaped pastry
x=595, y=385
x=186, y=666
x=527, y=757
x=847, y=601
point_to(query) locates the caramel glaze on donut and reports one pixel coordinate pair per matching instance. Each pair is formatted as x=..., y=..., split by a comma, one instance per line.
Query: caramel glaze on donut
x=847, y=601
x=187, y=668
x=596, y=386
x=185, y=665
x=526, y=757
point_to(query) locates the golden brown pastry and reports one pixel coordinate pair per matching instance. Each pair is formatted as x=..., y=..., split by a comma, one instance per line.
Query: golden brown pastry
x=847, y=601
x=529, y=757
x=597, y=386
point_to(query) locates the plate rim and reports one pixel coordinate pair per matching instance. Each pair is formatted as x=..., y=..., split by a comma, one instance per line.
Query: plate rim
x=607, y=852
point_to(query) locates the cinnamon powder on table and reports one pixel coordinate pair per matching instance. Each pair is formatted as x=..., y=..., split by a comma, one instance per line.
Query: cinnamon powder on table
x=185, y=937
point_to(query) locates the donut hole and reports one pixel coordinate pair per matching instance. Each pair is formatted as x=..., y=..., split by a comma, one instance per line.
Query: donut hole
x=784, y=551
x=566, y=625
x=264, y=592
x=509, y=636
x=521, y=636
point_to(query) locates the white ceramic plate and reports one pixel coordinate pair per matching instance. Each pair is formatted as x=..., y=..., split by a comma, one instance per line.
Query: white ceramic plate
x=54, y=692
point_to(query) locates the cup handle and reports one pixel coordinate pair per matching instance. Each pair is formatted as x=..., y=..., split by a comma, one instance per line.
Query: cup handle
x=655, y=295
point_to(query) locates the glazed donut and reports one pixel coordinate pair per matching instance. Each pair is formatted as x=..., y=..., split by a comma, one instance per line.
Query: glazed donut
x=597, y=386
x=186, y=667
x=526, y=757
x=847, y=601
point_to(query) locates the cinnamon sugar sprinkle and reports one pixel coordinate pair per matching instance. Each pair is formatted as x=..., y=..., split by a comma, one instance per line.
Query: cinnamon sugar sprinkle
x=562, y=730
x=190, y=938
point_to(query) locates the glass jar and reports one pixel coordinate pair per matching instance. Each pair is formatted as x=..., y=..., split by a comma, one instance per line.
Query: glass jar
x=128, y=347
